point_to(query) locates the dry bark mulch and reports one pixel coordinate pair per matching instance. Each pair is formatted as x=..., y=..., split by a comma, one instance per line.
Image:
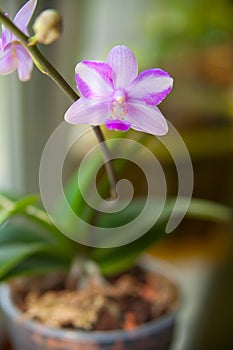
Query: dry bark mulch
x=123, y=302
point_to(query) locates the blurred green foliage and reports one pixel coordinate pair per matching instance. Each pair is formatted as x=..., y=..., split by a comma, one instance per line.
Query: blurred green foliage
x=171, y=28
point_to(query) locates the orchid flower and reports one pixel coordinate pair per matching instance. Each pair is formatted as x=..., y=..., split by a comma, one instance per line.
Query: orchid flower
x=112, y=93
x=12, y=54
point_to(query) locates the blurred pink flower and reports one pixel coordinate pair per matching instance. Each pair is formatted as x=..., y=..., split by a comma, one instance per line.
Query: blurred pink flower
x=12, y=54
x=115, y=95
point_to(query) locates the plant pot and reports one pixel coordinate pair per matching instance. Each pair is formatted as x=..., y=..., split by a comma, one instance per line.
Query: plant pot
x=31, y=335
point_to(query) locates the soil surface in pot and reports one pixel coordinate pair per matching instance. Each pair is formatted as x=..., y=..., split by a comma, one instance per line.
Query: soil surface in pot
x=125, y=301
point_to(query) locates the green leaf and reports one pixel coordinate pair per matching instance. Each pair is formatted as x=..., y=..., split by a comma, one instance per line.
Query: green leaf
x=41, y=218
x=12, y=254
x=72, y=190
x=25, y=202
x=20, y=230
x=9, y=207
x=114, y=260
x=208, y=210
x=37, y=265
x=4, y=215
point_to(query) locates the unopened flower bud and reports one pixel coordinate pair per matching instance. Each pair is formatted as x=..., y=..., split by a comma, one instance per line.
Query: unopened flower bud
x=47, y=27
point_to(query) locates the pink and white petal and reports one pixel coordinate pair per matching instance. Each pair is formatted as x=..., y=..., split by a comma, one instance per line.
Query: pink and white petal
x=151, y=86
x=8, y=60
x=25, y=63
x=94, y=79
x=88, y=111
x=146, y=118
x=23, y=16
x=124, y=66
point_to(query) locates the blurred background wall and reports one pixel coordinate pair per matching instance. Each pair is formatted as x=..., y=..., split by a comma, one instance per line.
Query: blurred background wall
x=191, y=39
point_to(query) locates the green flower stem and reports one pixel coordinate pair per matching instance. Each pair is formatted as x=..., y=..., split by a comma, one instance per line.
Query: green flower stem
x=47, y=68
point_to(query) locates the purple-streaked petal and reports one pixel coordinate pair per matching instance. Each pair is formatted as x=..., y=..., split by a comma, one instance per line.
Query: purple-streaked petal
x=6, y=35
x=8, y=60
x=88, y=111
x=3, y=38
x=151, y=86
x=94, y=79
x=23, y=16
x=117, y=125
x=146, y=118
x=25, y=63
x=124, y=66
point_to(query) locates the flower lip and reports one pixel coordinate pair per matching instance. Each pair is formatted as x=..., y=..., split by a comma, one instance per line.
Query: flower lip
x=117, y=125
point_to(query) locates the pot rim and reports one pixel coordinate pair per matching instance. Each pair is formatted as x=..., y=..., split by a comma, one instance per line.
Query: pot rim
x=164, y=321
